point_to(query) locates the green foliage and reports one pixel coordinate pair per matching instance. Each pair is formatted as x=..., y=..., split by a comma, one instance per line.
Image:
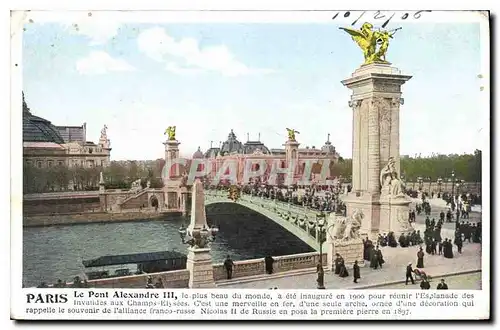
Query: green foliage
x=59, y=178
x=467, y=167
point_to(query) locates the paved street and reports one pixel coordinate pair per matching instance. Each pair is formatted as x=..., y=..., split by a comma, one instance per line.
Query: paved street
x=462, y=282
x=393, y=270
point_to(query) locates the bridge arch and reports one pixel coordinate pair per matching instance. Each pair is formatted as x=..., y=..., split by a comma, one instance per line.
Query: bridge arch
x=300, y=223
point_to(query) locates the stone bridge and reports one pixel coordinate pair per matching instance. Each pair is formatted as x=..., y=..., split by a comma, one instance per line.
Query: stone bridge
x=300, y=221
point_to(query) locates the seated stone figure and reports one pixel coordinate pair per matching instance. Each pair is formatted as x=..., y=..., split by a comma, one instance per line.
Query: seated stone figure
x=389, y=180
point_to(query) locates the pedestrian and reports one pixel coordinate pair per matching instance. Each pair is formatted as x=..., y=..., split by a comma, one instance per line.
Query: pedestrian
x=442, y=285
x=424, y=284
x=409, y=274
x=229, y=264
x=420, y=258
x=269, y=264
x=356, y=272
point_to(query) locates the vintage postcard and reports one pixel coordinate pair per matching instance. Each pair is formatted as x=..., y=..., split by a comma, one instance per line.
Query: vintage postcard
x=322, y=164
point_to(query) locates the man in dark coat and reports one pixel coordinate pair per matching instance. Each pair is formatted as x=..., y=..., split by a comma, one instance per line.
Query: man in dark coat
x=356, y=272
x=228, y=265
x=442, y=285
x=374, y=259
x=338, y=261
x=409, y=274
x=269, y=264
x=420, y=258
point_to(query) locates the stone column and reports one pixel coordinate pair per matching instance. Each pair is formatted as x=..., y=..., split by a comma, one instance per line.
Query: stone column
x=199, y=260
x=375, y=101
x=171, y=153
x=292, y=157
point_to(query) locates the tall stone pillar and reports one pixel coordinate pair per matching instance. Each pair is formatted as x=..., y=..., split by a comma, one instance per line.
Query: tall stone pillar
x=375, y=101
x=171, y=153
x=199, y=260
x=292, y=158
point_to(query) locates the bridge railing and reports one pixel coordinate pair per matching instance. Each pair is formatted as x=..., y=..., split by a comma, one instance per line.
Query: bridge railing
x=254, y=267
x=300, y=217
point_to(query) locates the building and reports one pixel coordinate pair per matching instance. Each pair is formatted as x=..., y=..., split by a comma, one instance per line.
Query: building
x=46, y=145
x=233, y=149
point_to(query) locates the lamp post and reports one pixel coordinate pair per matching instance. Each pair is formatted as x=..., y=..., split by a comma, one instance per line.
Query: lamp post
x=453, y=186
x=198, y=237
x=420, y=180
x=320, y=223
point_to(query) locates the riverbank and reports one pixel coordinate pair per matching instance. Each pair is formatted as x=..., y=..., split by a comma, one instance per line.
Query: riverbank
x=94, y=217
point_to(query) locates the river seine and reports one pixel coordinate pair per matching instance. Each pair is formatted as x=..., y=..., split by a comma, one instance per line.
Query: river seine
x=56, y=252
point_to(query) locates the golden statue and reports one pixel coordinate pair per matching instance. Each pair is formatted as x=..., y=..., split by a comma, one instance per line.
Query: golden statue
x=291, y=134
x=368, y=40
x=170, y=131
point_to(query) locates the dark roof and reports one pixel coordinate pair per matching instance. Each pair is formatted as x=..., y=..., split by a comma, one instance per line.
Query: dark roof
x=212, y=152
x=252, y=146
x=37, y=129
x=231, y=145
x=132, y=258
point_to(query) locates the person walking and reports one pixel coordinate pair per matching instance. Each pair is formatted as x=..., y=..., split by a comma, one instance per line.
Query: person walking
x=420, y=258
x=356, y=272
x=409, y=274
x=229, y=264
x=442, y=285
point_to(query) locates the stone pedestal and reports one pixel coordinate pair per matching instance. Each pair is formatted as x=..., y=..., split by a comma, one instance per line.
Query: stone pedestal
x=394, y=215
x=199, y=265
x=375, y=102
x=351, y=251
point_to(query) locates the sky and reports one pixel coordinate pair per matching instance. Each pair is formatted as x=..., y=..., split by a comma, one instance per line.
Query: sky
x=207, y=78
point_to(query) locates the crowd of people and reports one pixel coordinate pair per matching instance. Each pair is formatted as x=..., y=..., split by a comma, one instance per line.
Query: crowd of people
x=321, y=198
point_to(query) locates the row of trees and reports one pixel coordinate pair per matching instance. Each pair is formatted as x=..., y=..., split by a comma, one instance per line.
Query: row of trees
x=466, y=167
x=62, y=178
x=121, y=176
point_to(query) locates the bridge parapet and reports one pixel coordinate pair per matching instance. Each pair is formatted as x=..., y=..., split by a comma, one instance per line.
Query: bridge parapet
x=253, y=267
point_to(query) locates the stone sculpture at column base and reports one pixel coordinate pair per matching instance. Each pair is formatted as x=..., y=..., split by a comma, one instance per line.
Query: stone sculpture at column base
x=199, y=265
x=343, y=237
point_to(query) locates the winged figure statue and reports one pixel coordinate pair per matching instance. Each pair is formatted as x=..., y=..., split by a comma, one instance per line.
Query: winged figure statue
x=291, y=134
x=374, y=44
x=170, y=131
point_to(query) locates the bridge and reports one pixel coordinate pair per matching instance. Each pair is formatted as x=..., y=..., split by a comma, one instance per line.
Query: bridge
x=298, y=220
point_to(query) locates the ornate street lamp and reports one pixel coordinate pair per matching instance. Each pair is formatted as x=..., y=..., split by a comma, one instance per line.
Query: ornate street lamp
x=420, y=181
x=453, y=185
x=320, y=223
x=198, y=234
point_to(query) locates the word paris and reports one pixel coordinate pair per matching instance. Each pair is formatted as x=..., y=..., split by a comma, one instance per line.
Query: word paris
x=378, y=15
x=266, y=169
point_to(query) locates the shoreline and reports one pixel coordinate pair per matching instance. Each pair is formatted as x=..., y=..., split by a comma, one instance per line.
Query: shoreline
x=93, y=218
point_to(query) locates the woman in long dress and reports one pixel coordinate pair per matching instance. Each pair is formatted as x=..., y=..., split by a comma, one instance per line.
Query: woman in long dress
x=343, y=270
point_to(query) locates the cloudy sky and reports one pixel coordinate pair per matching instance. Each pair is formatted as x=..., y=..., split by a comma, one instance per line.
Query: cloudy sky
x=209, y=78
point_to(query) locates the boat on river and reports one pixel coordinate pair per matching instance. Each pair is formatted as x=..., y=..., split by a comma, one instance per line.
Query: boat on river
x=149, y=262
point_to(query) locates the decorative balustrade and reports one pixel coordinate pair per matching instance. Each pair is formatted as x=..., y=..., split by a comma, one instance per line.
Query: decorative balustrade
x=300, y=216
x=254, y=267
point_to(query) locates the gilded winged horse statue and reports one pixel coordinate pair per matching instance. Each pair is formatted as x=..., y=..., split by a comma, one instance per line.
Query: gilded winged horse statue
x=368, y=40
x=170, y=131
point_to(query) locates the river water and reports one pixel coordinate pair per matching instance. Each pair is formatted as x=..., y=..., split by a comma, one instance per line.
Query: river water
x=56, y=252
